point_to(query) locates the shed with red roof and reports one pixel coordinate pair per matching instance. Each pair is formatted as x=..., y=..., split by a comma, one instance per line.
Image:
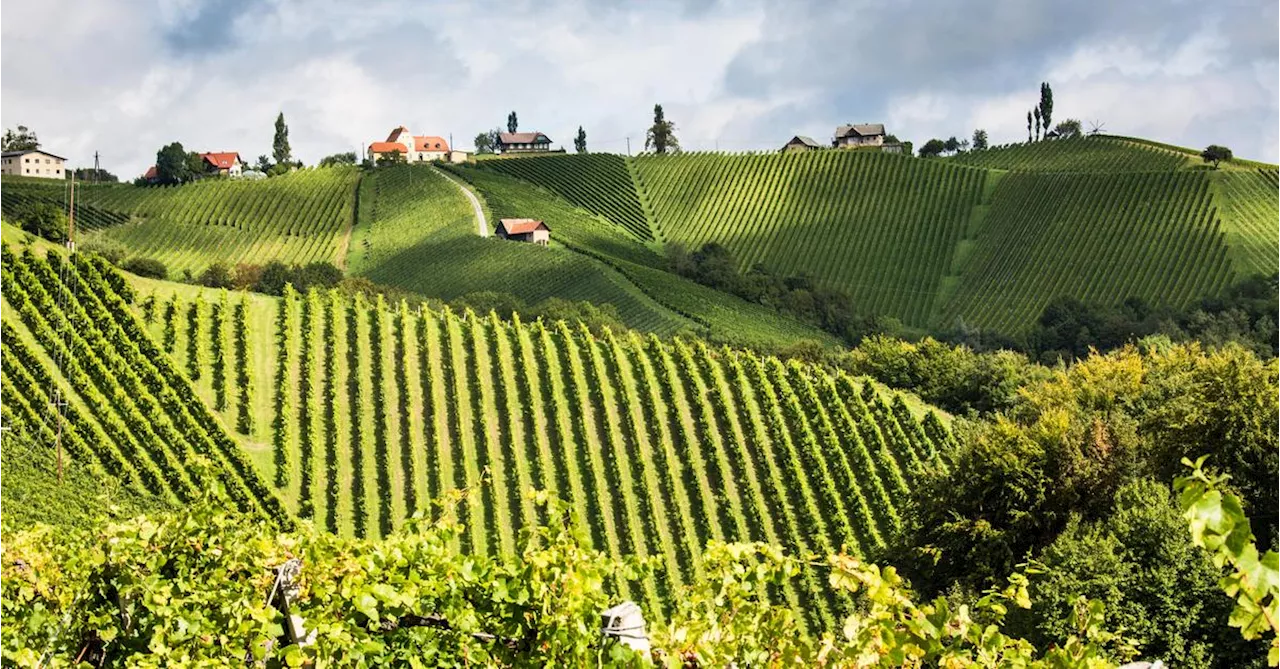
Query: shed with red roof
x=524, y=230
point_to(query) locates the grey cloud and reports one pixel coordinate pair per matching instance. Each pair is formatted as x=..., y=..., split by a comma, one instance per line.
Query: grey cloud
x=210, y=29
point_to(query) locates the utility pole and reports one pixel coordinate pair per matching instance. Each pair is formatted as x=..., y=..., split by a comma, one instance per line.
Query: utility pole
x=71, y=217
x=628, y=146
x=96, y=169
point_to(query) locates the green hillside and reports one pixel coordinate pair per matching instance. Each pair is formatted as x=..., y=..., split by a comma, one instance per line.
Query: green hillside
x=722, y=317
x=1083, y=154
x=884, y=227
x=416, y=231
x=660, y=446
x=1250, y=210
x=598, y=182
x=297, y=218
x=1098, y=237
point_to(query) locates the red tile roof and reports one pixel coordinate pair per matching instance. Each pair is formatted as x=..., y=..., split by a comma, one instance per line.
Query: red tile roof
x=222, y=161
x=520, y=226
x=523, y=138
x=395, y=134
x=386, y=147
x=430, y=143
x=151, y=173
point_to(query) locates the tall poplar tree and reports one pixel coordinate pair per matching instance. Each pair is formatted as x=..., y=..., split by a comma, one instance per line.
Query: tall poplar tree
x=1046, y=106
x=280, y=145
x=580, y=141
x=512, y=122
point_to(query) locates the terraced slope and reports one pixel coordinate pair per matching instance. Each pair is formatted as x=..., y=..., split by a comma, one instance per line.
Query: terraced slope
x=601, y=183
x=418, y=232
x=1097, y=237
x=1247, y=202
x=296, y=218
x=884, y=227
x=69, y=334
x=660, y=446
x=1084, y=154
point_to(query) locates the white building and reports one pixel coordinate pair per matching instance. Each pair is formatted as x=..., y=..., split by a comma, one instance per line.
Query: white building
x=33, y=163
x=416, y=149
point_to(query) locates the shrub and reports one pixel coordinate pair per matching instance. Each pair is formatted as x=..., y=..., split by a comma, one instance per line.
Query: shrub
x=109, y=249
x=148, y=267
x=217, y=275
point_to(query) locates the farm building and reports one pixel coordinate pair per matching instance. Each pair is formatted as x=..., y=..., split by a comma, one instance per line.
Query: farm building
x=32, y=163
x=524, y=230
x=860, y=134
x=415, y=148
x=799, y=144
x=223, y=162
x=523, y=142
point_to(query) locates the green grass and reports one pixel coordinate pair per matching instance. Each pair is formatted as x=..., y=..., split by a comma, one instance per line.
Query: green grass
x=1083, y=154
x=659, y=445
x=297, y=218
x=598, y=182
x=882, y=227
x=1097, y=237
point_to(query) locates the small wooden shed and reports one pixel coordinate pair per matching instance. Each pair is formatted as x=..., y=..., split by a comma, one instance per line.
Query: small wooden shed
x=524, y=230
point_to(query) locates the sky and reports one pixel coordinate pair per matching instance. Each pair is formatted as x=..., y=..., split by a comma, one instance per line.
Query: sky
x=124, y=77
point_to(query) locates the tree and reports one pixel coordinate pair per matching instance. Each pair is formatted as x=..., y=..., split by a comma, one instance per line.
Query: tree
x=280, y=144
x=932, y=148
x=40, y=218
x=661, y=135
x=1216, y=154
x=952, y=145
x=513, y=122
x=216, y=275
x=980, y=140
x=90, y=174
x=22, y=140
x=1028, y=127
x=347, y=158
x=1036, y=112
x=263, y=164
x=1046, y=106
x=172, y=166
x=391, y=158
x=580, y=142
x=1068, y=129
x=196, y=165
x=487, y=142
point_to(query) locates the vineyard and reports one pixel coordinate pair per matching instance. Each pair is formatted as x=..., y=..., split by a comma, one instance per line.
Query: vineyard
x=1097, y=237
x=722, y=317
x=883, y=227
x=416, y=231
x=598, y=182
x=296, y=218
x=69, y=336
x=658, y=445
x=1083, y=154
x=1249, y=208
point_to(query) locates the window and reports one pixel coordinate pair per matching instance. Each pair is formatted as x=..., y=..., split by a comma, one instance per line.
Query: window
x=46, y=161
x=26, y=160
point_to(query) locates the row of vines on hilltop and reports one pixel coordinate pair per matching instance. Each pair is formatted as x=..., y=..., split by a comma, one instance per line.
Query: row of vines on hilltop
x=659, y=447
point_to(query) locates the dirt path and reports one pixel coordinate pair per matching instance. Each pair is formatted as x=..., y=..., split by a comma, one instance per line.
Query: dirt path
x=475, y=203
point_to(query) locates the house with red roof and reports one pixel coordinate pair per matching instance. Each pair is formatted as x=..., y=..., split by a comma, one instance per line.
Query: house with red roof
x=414, y=148
x=223, y=162
x=524, y=230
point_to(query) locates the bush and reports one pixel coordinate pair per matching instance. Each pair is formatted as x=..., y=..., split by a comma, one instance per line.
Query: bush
x=109, y=249
x=148, y=267
x=246, y=276
x=43, y=219
x=217, y=275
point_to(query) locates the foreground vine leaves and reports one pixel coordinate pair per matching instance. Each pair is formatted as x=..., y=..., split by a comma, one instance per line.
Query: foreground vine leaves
x=1252, y=579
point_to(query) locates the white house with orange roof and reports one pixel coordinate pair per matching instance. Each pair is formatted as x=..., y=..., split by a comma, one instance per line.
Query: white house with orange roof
x=415, y=148
x=223, y=162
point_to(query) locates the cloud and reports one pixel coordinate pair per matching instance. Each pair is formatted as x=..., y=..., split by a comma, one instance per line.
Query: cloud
x=128, y=77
